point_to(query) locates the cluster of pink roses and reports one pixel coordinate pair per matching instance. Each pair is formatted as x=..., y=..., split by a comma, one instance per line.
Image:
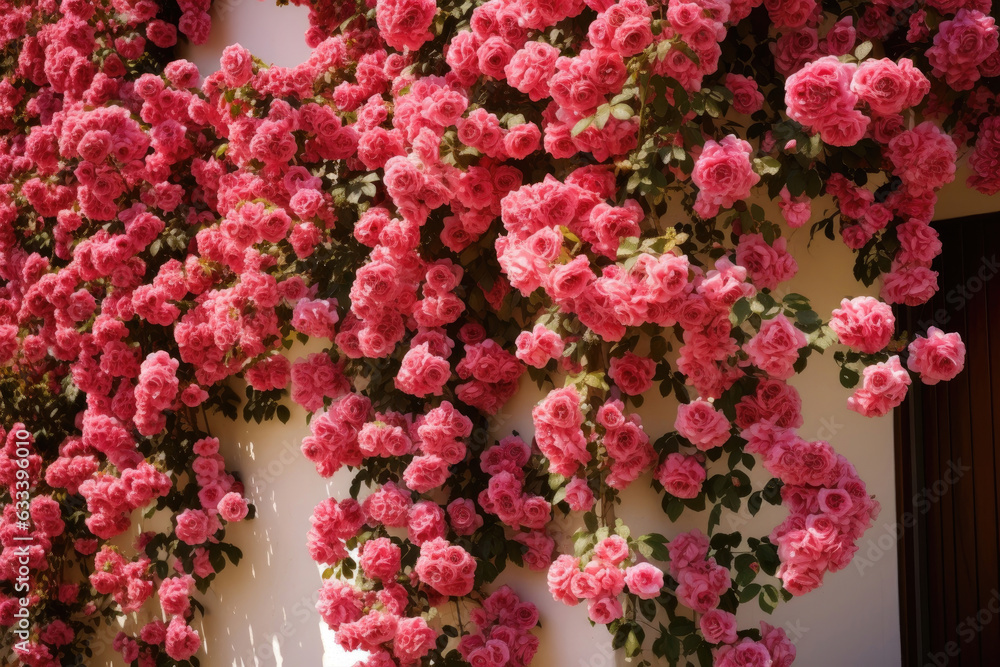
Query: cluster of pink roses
x=824, y=95
x=602, y=579
x=504, y=623
x=505, y=495
x=629, y=452
x=375, y=622
x=829, y=504
x=161, y=232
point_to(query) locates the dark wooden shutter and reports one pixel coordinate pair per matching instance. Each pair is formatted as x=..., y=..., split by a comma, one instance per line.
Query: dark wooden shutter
x=948, y=465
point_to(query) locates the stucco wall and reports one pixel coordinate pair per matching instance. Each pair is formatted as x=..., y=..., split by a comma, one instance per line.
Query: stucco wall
x=262, y=613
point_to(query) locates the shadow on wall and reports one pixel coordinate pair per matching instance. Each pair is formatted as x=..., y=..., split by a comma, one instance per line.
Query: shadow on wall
x=263, y=613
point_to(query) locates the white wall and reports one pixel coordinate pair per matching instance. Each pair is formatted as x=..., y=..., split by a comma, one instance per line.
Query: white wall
x=263, y=614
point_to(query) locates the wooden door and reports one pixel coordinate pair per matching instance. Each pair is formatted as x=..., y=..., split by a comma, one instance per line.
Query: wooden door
x=948, y=465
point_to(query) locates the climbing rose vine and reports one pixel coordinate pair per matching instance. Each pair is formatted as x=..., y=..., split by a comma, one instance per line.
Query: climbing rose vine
x=458, y=200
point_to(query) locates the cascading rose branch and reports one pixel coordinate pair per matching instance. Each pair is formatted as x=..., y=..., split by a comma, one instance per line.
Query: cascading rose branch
x=450, y=196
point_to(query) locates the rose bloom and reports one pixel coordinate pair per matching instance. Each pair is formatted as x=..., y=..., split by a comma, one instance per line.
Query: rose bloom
x=718, y=627
x=864, y=324
x=538, y=346
x=747, y=98
x=233, y=507
x=604, y=610
x=884, y=388
x=723, y=175
x=937, y=357
x=701, y=423
x=775, y=348
x=681, y=476
x=633, y=374
x=579, y=496
x=887, y=87
x=380, y=559
x=747, y=653
x=644, y=580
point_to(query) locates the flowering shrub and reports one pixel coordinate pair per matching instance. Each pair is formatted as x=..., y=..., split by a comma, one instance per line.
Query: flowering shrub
x=452, y=196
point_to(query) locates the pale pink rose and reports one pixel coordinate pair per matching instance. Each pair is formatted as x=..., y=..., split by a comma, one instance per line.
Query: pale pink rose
x=775, y=348
x=560, y=579
x=887, y=87
x=644, y=580
x=604, y=610
x=747, y=653
x=681, y=476
x=579, y=497
x=747, y=98
x=937, y=357
x=701, y=423
x=723, y=175
x=538, y=346
x=718, y=627
x=613, y=549
x=864, y=324
x=632, y=374
x=884, y=388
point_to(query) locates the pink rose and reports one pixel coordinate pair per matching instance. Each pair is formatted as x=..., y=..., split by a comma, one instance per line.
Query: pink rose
x=579, y=497
x=681, y=476
x=819, y=96
x=422, y=373
x=723, y=174
x=538, y=346
x=937, y=357
x=887, y=87
x=632, y=374
x=718, y=627
x=448, y=569
x=233, y=507
x=403, y=24
x=911, y=285
x=775, y=348
x=747, y=98
x=864, y=324
x=604, y=610
x=701, y=423
x=766, y=264
x=644, y=580
x=961, y=45
x=884, y=388
x=747, y=653
x=380, y=559
x=560, y=579
x=613, y=549
x=463, y=516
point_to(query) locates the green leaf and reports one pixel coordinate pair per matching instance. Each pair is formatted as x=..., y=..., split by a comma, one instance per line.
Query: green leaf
x=580, y=126
x=849, y=378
